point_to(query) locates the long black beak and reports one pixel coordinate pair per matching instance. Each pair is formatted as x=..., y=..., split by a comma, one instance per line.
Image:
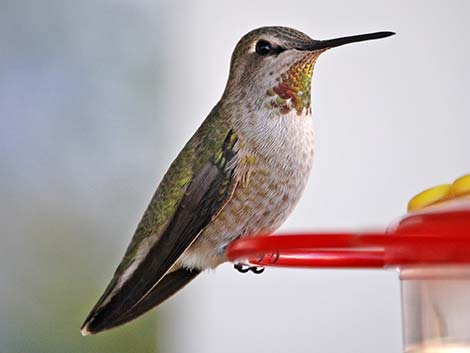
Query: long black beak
x=331, y=43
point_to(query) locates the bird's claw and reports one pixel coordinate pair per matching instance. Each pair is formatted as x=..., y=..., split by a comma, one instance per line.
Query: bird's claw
x=257, y=269
x=241, y=268
x=245, y=268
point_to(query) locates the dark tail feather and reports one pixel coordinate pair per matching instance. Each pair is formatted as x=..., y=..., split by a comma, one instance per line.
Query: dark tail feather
x=168, y=285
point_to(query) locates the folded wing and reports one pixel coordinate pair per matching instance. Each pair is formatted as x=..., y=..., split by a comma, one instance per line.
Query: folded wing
x=158, y=243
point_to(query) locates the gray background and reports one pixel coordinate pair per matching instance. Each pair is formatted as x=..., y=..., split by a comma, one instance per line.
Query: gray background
x=98, y=97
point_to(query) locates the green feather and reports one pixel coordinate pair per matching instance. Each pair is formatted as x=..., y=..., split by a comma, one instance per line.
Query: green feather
x=205, y=144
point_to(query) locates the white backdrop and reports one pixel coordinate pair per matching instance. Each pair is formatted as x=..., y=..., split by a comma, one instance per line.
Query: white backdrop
x=391, y=117
x=98, y=97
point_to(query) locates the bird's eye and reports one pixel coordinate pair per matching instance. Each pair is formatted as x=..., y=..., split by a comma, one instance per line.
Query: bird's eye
x=263, y=47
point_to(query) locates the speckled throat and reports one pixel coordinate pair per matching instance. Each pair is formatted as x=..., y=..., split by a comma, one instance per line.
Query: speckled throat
x=292, y=91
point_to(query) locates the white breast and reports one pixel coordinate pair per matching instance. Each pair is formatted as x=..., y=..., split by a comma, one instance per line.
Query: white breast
x=283, y=151
x=283, y=146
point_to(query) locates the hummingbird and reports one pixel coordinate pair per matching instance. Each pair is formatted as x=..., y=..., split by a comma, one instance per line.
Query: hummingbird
x=239, y=175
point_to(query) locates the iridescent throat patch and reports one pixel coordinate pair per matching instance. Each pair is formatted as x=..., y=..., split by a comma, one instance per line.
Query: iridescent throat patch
x=293, y=89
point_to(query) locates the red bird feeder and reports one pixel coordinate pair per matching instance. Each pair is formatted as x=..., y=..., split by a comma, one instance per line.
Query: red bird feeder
x=430, y=248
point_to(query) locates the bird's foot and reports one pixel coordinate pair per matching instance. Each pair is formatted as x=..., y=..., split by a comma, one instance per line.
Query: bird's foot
x=245, y=268
x=241, y=268
x=257, y=269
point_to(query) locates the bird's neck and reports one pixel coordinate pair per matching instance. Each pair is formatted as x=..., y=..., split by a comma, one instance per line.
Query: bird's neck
x=291, y=92
x=286, y=94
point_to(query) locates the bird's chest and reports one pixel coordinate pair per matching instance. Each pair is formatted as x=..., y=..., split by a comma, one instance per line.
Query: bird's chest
x=274, y=163
x=272, y=171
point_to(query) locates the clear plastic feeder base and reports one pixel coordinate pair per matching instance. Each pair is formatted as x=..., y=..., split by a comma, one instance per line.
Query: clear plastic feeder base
x=436, y=310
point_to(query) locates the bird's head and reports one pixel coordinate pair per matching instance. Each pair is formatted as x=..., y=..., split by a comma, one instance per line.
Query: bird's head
x=272, y=67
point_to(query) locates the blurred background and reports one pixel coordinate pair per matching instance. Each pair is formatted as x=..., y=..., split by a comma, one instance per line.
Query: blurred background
x=98, y=97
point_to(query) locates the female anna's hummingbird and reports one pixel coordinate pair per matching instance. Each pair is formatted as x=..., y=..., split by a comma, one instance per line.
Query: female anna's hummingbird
x=241, y=174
